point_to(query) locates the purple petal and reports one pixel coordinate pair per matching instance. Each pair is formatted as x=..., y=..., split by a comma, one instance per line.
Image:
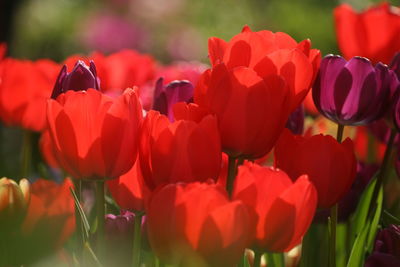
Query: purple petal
x=57, y=90
x=80, y=78
x=363, y=88
x=323, y=89
x=178, y=91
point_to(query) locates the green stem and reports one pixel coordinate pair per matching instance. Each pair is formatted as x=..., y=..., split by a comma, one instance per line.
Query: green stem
x=231, y=175
x=383, y=172
x=26, y=153
x=332, y=237
x=257, y=258
x=339, y=134
x=78, y=219
x=334, y=214
x=100, y=206
x=137, y=239
x=306, y=248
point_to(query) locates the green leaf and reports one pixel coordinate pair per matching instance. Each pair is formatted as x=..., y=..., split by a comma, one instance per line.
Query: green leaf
x=90, y=258
x=275, y=260
x=244, y=261
x=375, y=221
x=358, y=251
x=85, y=223
x=389, y=219
x=360, y=215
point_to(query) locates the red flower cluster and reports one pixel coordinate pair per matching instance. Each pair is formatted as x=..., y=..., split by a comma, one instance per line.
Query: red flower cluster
x=256, y=80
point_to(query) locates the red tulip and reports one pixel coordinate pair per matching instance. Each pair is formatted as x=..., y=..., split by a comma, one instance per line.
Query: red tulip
x=372, y=33
x=330, y=165
x=196, y=225
x=281, y=210
x=25, y=87
x=47, y=149
x=129, y=190
x=95, y=136
x=257, y=79
x=186, y=150
x=50, y=219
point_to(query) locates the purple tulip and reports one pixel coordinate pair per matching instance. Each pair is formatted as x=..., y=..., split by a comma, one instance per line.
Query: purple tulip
x=387, y=248
x=295, y=123
x=352, y=92
x=81, y=77
x=119, y=238
x=166, y=96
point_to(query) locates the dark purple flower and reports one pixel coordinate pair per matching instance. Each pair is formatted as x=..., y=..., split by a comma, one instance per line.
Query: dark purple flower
x=166, y=96
x=381, y=130
x=395, y=64
x=387, y=248
x=119, y=238
x=80, y=78
x=295, y=123
x=352, y=92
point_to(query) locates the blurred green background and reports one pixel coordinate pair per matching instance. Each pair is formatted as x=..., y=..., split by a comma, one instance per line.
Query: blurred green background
x=168, y=29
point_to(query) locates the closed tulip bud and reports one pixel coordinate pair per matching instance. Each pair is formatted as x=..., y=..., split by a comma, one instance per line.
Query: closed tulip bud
x=281, y=210
x=14, y=199
x=166, y=96
x=197, y=225
x=352, y=92
x=186, y=150
x=331, y=166
x=80, y=78
x=119, y=238
x=387, y=248
x=295, y=122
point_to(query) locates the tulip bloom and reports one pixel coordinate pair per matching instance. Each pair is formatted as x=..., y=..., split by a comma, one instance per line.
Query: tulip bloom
x=197, y=225
x=330, y=165
x=372, y=33
x=386, y=250
x=186, y=150
x=281, y=210
x=165, y=97
x=352, y=92
x=14, y=199
x=95, y=136
x=50, y=219
x=295, y=122
x=80, y=78
x=25, y=87
x=257, y=79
